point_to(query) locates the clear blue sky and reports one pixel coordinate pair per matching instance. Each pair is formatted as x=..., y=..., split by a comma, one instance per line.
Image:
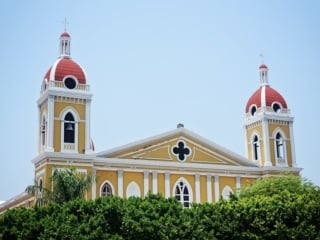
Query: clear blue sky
x=153, y=64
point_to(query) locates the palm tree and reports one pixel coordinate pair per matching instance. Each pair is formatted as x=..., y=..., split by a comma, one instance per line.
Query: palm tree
x=67, y=184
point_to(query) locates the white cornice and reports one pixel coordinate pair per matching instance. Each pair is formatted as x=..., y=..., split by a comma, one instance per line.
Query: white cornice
x=268, y=116
x=134, y=164
x=54, y=91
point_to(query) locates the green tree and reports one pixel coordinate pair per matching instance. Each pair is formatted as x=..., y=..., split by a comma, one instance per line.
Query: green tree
x=67, y=184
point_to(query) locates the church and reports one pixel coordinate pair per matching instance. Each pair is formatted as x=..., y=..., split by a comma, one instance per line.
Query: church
x=178, y=163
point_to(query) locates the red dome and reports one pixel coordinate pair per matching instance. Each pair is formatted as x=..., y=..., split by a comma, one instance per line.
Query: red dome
x=65, y=34
x=65, y=67
x=265, y=96
x=263, y=66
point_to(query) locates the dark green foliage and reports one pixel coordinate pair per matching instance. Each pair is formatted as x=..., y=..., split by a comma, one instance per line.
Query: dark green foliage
x=274, y=208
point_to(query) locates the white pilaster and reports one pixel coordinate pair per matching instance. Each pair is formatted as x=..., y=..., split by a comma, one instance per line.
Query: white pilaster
x=167, y=184
x=293, y=152
x=88, y=126
x=120, y=183
x=246, y=141
x=209, y=189
x=94, y=184
x=238, y=184
x=50, y=124
x=154, y=182
x=146, y=182
x=216, y=188
x=197, y=186
x=267, y=153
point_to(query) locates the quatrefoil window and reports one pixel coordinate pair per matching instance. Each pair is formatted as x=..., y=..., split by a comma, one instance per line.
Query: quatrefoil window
x=181, y=150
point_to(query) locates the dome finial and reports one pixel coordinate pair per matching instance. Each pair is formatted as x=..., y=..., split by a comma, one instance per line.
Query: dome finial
x=263, y=69
x=65, y=41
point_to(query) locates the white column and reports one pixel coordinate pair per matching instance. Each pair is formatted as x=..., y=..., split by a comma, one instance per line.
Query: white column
x=197, y=186
x=154, y=182
x=209, y=189
x=94, y=184
x=167, y=185
x=238, y=184
x=50, y=124
x=120, y=183
x=293, y=152
x=216, y=188
x=246, y=141
x=266, y=140
x=146, y=182
x=88, y=127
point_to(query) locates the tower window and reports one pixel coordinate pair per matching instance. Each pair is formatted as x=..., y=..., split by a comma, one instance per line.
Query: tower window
x=106, y=190
x=182, y=194
x=70, y=83
x=276, y=107
x=256, y=148
x=69, y=128
x=253, y=110
x=279, y=146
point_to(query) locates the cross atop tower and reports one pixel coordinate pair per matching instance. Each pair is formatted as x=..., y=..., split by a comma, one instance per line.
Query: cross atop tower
x=65, y=22
x=262, y=59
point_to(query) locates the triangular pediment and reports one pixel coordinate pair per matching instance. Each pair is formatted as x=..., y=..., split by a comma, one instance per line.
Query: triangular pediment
x=179, y=145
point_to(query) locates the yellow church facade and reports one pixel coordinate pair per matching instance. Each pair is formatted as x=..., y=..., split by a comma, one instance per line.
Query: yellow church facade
x=178, y=163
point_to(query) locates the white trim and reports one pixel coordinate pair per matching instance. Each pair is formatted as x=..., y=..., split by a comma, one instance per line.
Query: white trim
x=73, y=77
x=209, y=189
x=263, y=97
x=238, y=184
x=185, y=147
x=293, y=152
x=145, y=182
x=76, y=117
x=88, y=127
x=216, y=188
x=94, y=184
x=167, y=184
x=120, y=183
x=154, y=182
x=178, y=132
x=197, y=186
x=265, y=134
x=256, y=133
x=50, y=123
x=53, y=70
x=284, y=138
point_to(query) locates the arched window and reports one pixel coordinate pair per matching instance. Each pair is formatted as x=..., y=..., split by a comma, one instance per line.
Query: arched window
x=226, y=192
x=279, y=146
x=256, y=148
x=106, y=190
x=182, y=194
x=69, y=128
x=133, y=190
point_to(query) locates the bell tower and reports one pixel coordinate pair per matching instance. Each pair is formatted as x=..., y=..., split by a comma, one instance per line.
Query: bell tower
x=64, y=105
x=268, y=126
